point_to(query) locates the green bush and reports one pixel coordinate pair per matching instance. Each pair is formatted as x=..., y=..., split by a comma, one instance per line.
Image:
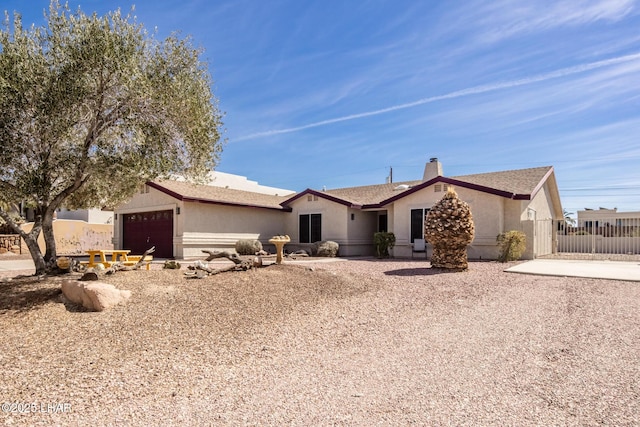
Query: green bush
x=512, y=245
x=384, y=241
x=171, y=265
x=248, y=246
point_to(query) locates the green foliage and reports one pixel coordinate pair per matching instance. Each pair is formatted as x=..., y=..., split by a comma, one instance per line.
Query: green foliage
x=171, y=265
x=248, y=247
x=383, y=242
x=326, y=248
x=93, y=106
x=512, y=245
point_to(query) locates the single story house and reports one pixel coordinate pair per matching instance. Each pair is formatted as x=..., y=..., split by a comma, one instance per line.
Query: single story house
x=181, y=219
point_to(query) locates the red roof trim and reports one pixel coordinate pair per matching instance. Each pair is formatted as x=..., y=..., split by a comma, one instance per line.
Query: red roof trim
x=457, y=183
x=541, y=183
x=323, y=195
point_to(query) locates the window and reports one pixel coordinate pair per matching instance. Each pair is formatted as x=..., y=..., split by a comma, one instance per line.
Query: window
x=382, y=223
x=418, y=217
x=310, y=228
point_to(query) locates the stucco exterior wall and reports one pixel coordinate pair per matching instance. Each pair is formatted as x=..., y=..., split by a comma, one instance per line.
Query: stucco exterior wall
x=541, y=204
x=488, y=214
x=334, y=221
x=75, y=237
x=360, y=230
x=400, y=221
x=219, y=227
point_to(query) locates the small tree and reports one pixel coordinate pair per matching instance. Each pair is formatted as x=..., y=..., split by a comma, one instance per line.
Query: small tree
x=568, y=218
x=91, y=108
x=450, y=229
x=384, y=241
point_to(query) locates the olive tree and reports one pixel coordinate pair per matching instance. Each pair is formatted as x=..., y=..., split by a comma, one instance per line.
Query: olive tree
x=93, y=106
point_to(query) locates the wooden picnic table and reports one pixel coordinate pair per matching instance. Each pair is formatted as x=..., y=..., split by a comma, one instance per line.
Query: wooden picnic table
x=116, y=255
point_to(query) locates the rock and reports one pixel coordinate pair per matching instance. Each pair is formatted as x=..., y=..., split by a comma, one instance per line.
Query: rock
x=64, y=263
x=3, y=250
x=96, y=296
x=89, y=276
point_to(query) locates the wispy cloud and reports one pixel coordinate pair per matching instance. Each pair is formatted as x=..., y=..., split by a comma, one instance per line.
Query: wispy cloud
x=564, y=72
x=505, y=19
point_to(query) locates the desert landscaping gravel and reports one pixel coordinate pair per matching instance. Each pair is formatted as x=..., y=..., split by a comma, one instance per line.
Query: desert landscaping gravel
x=350, y=343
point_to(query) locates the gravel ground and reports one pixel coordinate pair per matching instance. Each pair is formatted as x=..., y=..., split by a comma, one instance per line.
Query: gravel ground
x=354, y=343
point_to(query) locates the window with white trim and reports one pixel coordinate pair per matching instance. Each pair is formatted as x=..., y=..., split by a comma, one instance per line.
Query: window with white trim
x=418, y=218
x=310, y=228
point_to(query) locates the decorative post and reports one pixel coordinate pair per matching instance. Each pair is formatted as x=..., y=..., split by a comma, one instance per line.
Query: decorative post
x=279, y=242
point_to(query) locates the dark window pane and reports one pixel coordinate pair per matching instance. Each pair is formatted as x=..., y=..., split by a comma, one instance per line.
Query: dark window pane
x=304, y=229
x=316, y=228
x=382, y=223
x=417, y=224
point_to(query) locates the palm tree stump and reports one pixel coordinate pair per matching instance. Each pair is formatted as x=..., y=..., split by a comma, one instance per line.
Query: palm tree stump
x=449, y=228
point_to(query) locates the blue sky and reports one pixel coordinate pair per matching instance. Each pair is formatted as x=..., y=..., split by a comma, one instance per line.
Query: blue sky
x=335, y=93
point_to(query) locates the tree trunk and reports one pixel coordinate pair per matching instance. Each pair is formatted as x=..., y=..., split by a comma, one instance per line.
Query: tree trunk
x=49, y=238
x=31, y=240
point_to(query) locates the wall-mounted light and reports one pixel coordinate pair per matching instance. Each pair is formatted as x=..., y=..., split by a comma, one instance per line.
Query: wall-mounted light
x=177, y=210
x=115, y=216
x=353, y=216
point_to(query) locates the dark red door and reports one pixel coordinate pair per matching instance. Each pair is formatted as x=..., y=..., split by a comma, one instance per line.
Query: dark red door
x=145, y=229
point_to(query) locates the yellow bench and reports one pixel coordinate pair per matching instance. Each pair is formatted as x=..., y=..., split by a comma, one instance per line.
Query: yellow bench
x=134, y=259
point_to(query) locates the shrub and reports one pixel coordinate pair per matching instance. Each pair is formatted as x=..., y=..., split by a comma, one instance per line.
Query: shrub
x=384, y=241
x=512, y=245
x=326, y=248
x=171, y=265
x=248, y=247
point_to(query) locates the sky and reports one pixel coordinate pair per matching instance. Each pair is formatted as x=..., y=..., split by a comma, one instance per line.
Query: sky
x=340, y=93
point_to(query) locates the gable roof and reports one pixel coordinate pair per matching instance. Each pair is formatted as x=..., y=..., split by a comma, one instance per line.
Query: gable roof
x=519, y=184
x=189, y=192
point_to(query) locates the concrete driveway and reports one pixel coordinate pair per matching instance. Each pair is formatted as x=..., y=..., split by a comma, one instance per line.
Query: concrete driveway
x=615, y=270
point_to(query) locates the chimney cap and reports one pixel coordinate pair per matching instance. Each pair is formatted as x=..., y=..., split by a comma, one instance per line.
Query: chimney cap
x=433, y=159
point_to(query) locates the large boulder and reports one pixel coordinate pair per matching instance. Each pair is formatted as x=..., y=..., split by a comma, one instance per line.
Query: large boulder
x=95, y=296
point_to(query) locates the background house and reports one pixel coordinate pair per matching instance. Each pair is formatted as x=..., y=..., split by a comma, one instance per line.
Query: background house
x=180, y=218
x=601, y=231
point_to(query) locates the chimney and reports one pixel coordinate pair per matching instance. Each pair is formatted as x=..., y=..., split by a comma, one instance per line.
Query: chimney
x=432, y=169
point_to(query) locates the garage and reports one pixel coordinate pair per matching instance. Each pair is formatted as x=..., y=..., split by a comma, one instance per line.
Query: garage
x=145, y=229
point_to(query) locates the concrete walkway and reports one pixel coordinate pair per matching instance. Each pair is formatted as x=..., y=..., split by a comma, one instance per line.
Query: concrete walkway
x=615, y=270
x=16, y=264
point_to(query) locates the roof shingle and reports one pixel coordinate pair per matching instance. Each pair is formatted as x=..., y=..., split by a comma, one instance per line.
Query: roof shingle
x=220, y=195
x=514, y=183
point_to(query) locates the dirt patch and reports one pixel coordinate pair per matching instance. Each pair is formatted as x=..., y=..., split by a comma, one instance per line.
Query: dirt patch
x=350, y=343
